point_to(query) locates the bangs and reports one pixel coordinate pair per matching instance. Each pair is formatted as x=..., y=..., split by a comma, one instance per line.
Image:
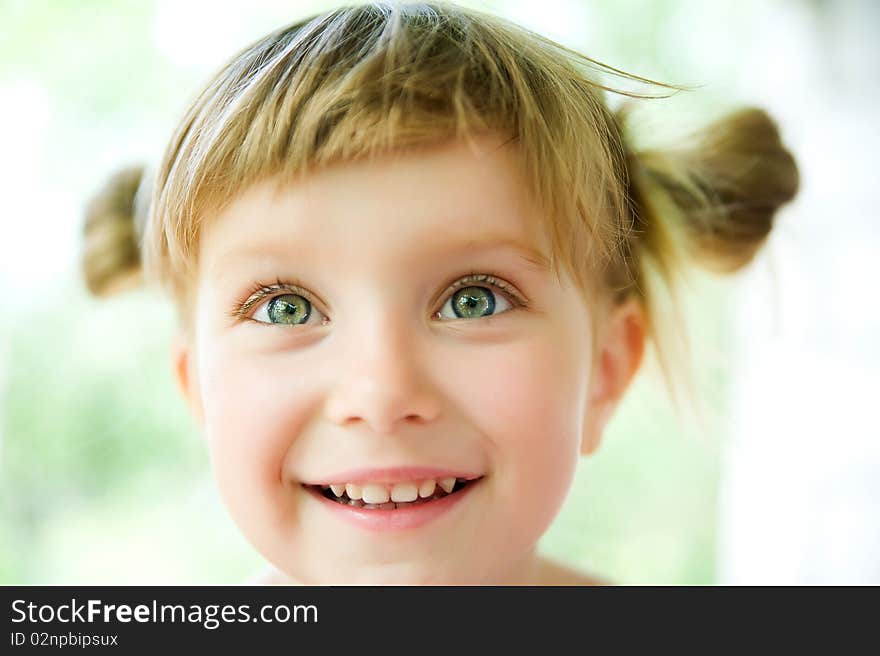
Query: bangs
x=356, y=83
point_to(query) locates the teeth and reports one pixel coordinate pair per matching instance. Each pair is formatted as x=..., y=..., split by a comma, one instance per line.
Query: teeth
x=381, y=495
x=447, y=484
x=404, y=492
x=426, y=489
x=373, y=493
x=354, y=491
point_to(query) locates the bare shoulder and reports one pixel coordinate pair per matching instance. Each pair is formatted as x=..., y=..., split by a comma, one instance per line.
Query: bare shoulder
x=551, y=572
x=267, y=576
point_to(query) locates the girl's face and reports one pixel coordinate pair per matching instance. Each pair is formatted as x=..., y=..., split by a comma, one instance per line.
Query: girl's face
x=409, y=333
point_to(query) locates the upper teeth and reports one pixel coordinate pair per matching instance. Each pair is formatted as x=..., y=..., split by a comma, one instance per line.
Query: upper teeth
x=398, y=492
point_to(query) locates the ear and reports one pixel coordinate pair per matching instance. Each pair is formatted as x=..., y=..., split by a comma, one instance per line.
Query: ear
x=619, y=355
x=186, y=375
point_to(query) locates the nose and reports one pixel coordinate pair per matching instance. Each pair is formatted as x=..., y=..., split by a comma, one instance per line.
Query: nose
x=382, y=382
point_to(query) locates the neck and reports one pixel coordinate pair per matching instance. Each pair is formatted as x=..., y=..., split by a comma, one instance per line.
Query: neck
x=527, y=571
x=531, y=569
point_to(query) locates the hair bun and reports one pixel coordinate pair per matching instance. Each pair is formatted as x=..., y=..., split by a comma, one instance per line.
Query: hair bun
x=727, y=183
x=114, y=219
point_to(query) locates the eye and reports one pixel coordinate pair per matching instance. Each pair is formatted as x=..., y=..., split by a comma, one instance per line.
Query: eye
x=286, y=310
x=470, y=301
x=292, y=305
x=473, y=303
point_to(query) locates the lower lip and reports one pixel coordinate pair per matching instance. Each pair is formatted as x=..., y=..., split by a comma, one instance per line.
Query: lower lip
x=399, y=518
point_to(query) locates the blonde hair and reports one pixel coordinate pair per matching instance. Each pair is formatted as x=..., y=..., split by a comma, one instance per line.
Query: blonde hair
x=357, y=82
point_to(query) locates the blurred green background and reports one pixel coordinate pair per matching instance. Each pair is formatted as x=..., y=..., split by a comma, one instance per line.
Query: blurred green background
x=103, y=477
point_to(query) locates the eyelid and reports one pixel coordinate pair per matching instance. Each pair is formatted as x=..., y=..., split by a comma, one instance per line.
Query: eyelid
x=473, y=280
x=260, y=292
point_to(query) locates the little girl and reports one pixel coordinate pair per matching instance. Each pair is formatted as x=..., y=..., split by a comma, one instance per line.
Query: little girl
x=415, y=261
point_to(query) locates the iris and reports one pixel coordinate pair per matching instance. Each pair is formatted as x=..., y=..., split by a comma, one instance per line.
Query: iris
x=473, y=302
x=289, y=309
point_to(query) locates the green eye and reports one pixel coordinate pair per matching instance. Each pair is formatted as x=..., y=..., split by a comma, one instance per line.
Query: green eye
x=287, y=309
x=473, y=303
x=464, y=302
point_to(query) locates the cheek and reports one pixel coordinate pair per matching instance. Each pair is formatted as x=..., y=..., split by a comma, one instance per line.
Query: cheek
x=251, y=410
x=527, y=397
x=530, y=398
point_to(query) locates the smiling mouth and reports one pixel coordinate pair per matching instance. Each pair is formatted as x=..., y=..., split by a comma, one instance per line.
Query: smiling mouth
x=382, y=497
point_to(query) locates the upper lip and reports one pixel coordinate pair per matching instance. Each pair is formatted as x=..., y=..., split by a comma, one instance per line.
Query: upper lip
x=391, y=475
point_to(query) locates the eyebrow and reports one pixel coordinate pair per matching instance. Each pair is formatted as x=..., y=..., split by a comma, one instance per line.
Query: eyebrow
x=530, y=256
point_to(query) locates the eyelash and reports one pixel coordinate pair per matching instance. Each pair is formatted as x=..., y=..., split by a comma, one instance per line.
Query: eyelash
x=261, y=291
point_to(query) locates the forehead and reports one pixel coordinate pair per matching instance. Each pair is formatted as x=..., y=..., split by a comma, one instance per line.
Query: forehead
x=461, y=193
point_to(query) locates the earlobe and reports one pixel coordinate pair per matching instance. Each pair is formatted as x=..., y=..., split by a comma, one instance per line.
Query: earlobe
x=186, y=376
x=619, y=357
